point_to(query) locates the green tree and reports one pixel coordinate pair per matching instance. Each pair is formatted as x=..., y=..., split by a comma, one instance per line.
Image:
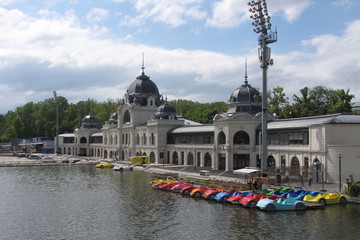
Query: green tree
x=303, y=106
x=341, y=102
x=278, y=103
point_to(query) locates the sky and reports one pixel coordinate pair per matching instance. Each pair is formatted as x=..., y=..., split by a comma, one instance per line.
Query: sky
x=193, y=49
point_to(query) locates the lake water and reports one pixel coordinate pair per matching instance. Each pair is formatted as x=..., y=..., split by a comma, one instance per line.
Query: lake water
x=82, y=202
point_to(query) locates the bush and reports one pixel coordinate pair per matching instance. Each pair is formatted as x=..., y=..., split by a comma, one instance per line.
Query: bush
x=353, y=189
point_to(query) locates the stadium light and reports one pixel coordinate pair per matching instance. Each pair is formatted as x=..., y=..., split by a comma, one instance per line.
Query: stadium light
x=262, y=26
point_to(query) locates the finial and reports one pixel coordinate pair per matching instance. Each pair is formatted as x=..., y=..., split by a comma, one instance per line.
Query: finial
x=143, y=67
x=246, y=76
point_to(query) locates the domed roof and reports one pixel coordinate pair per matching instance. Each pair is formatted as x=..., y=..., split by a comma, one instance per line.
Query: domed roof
x=164, y=111
x=113, y=118
x=90, y=121
x=143, y=85
x=245, y=99
x=142, y=90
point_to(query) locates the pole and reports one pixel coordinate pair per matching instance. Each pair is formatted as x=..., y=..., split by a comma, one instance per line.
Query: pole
x=195, y=160
x=339, y=173
x=57, y=123
x=264, y=106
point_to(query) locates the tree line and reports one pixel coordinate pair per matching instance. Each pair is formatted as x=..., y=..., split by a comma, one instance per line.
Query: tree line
x=39, y=119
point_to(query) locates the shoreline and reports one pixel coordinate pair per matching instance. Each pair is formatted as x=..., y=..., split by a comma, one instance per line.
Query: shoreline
x=187, y=173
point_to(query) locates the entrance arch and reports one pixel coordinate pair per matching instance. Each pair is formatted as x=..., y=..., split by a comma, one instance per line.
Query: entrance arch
x=294, y=167
x=152, y=157
x=207, y=160
x=190, y=159
x=175, y=158
x=271, y=165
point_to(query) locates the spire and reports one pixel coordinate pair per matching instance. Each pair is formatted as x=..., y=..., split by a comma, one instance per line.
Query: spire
x=143, y=67
x=246, y=76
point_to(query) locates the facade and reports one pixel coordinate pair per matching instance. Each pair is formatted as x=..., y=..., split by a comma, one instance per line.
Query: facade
x=145, y=124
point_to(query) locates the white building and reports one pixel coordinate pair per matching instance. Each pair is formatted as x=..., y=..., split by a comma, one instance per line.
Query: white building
x=145, y=124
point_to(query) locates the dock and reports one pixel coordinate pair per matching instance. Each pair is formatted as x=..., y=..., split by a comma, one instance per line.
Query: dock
x=313, y=206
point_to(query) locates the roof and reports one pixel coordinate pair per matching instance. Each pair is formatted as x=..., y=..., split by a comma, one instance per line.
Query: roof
x=67, y=135
x=193, y=129
x=245, y=171
x=311, y=121
x=97, y=134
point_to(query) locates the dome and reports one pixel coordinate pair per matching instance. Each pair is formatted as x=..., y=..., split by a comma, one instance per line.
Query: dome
x=143, y=85
x=245, y=99
x=141, y=89
x=90, y=121
x=113, y=118
x=165, y=111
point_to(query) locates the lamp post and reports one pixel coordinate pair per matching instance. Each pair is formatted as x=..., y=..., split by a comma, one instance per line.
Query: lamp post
x=262, y=26
x=57, y=122
x=195, y=160
x=339, y=173
x=163, y=160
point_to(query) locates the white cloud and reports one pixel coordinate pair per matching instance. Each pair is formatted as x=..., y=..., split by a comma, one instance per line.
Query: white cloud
x=228, y=13
x=54, y=52
x=327, y=60
x=97, y=15
x=173, y=13
x=232, y=13
x=6, y=2
x=291, y=9
x=346, y=3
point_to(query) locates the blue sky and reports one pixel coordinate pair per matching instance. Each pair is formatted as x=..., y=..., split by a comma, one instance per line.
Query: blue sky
x=194, y=49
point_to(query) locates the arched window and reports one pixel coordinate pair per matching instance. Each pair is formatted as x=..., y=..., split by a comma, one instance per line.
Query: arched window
x=144, y=139
x=152, y=139
x=137, y=139
x=221, y=138
x=271, y=161
x=241, y=137
x=83, y=140
x=126, y=117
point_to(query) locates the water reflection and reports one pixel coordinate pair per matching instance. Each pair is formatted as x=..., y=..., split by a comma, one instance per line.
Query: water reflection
x=82, y=202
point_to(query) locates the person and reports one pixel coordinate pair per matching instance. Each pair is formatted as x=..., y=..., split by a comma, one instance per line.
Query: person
x=255, y=186
x=249, y=184
x=350, y=181
x=310, y=180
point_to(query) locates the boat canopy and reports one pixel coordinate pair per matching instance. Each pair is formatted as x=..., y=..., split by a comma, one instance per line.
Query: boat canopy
x=246, y=171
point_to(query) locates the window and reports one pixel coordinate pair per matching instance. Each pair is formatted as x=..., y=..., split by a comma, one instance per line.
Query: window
x=221, y=138
x=137, y=139
x=241, y=137
x=126, y=117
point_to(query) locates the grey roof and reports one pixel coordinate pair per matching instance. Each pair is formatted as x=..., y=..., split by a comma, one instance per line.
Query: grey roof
x=193, y=129
x=143, y=85
x=317, y=120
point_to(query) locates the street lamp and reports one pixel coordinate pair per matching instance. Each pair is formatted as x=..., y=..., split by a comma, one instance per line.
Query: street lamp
x=195, y=160
x=262, y=26
x=57, y=122
x=339, y=173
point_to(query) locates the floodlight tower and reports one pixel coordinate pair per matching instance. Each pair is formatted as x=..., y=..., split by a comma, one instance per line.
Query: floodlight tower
x=57, y=122
x=262, y=26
